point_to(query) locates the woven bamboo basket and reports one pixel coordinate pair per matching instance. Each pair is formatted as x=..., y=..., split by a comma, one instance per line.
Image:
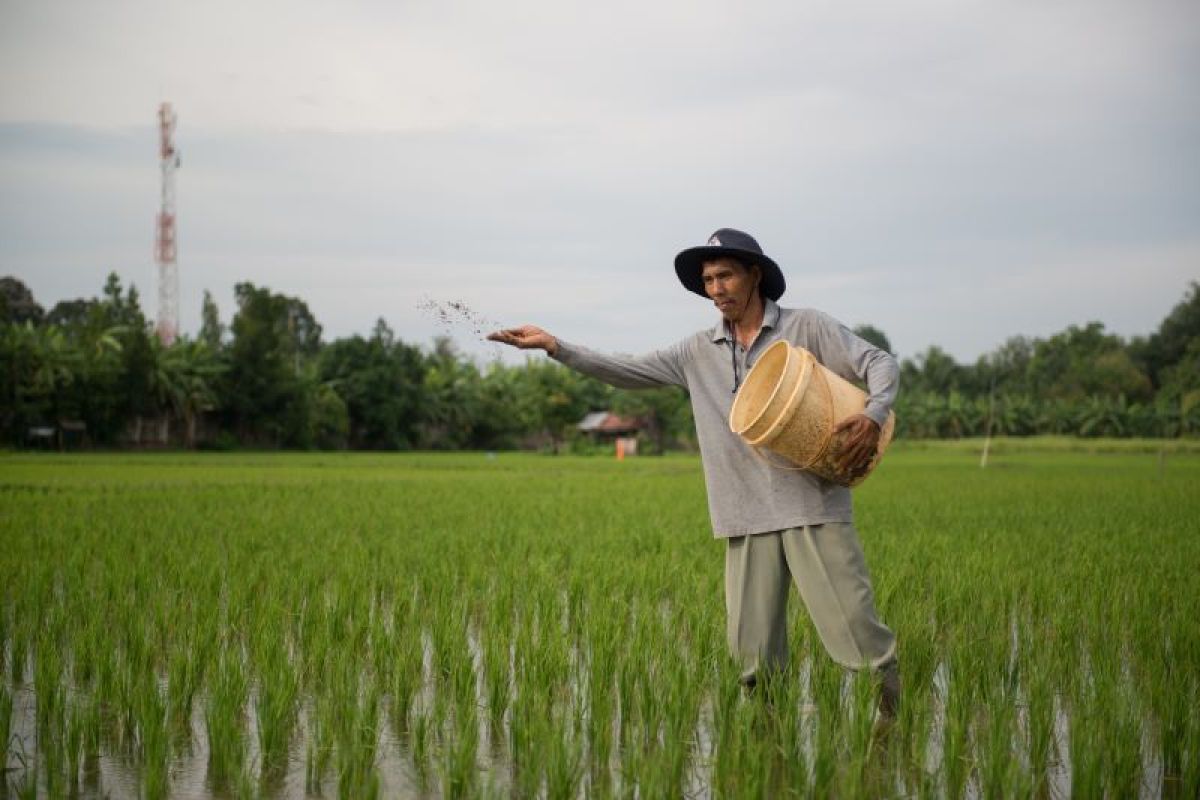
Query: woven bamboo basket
x=790, y=404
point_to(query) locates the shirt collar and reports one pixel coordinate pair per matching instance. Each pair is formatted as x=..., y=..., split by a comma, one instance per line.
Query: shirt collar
x=770, y=319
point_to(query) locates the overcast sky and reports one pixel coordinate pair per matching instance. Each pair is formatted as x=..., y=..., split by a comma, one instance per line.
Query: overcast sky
x=953, y=172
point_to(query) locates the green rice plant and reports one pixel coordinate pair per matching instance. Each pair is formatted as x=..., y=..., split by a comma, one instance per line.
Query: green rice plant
x=787, y=722
x=154, y=748
x=681, y=718
x=358, y=740
x=956, y=763
x=90, y=720
x=18, y=644
x=184, y=677
x=381, y=636
x=627, y=680
x=73, y=744
x=50, y=689
x=6, y=717
x=406, y=676
x=527, y=712
x=859, y=711
x=996, y=735
x=602, y=646
x=1086, y=743
x=224, y=718
x=5, y=640
x=1173, y=699
x=51, y=761
x=497, y=677
x=573, y=618
x=1121, y=752
x=422, y=736
x=827, y=681
x=459, y=760
x=743, y=767
x=276, y=702
x=24, y=787
x=909, y=738
x=1039, y=711
x=318, y=748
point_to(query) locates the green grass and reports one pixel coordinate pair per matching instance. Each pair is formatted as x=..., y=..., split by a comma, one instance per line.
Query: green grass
x=1052, y=444
x=473, y=626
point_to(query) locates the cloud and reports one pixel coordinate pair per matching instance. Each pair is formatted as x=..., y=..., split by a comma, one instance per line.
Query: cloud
x=546, y=160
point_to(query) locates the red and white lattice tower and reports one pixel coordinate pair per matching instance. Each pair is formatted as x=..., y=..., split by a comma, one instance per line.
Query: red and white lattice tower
x=164, y=243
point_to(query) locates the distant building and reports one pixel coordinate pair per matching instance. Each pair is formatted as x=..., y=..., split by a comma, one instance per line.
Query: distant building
x=69, y=434
x=605, y=426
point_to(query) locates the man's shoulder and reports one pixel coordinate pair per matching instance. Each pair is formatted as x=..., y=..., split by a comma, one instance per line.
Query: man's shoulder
x=703, y=335
x=804, y=316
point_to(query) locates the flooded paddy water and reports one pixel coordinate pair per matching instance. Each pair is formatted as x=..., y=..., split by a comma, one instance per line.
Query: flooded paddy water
x=406, y=626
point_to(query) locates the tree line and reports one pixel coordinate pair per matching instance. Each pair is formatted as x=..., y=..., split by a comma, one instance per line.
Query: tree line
x=267, y=379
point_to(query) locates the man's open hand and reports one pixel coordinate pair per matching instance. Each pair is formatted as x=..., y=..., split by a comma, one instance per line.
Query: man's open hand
x=858, y=444
x=526, y=337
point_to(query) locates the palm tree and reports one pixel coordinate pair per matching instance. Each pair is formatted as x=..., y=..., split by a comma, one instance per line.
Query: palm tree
x=922, y=415
x=1189, y=413
x=1056, y=416
x=1102, y=416
x=962, y=417
x=55, y=366
x=182, y=380
x=1142, y=420
x=36, y=367
x=1015, y=415
x=452, y=390
x=1167, y=419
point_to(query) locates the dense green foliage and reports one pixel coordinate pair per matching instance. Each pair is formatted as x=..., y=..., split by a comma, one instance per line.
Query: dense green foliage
x=1081, y=381
x=351, y=625
x=269, y=380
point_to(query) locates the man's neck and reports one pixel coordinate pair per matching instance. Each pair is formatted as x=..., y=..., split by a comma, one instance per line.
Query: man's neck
x=746, y=329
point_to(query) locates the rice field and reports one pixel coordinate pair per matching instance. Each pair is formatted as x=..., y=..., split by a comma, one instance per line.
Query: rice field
x=295, y=625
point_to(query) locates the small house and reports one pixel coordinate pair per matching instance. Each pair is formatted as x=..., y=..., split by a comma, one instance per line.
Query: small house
x=605, y=426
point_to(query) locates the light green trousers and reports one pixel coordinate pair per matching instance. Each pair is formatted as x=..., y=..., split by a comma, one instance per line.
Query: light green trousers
x=826, y=563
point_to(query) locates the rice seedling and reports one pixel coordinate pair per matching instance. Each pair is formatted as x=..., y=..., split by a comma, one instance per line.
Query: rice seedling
x=225, y=720
x=358, y=740
x=521, y=626
x=6, y=716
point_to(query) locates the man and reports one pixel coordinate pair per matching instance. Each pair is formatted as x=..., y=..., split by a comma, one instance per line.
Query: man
x=778, y=524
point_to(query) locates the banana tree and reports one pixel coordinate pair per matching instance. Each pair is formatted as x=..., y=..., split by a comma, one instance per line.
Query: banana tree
x=183, y=381
x=1103, y=416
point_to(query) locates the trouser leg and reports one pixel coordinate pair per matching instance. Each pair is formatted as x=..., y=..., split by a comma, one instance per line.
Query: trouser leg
x=827, y=564
x=756, y=586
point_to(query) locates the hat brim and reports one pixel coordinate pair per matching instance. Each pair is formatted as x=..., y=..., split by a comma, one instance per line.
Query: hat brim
x=689, y=265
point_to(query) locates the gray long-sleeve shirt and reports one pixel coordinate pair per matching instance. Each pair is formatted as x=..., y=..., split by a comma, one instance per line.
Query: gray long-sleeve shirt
x=745, y=493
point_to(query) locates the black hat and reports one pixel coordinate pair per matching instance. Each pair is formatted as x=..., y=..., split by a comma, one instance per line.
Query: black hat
x=731, y=244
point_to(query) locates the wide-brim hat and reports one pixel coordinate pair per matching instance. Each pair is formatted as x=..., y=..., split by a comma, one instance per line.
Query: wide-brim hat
x=728, y=243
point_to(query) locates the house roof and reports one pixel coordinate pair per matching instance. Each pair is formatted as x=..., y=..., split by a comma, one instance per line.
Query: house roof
x=608, y=422
x=592, y=421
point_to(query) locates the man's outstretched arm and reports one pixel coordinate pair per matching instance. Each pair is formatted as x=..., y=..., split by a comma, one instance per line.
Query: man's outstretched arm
x=660, y=368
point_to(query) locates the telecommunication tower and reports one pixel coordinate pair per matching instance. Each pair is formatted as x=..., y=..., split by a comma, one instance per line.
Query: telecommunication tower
x=164, y=243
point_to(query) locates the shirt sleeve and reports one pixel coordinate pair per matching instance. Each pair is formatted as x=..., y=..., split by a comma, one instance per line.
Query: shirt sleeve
x=852, y=357
x=660, y=368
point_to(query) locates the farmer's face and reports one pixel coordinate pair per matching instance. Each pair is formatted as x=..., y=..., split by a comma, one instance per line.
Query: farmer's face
x=730, y=285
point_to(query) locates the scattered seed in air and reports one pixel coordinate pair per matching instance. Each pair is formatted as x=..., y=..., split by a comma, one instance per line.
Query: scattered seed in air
x=452, y=315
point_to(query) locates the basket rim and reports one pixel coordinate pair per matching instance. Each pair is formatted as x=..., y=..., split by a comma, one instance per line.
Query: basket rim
x=803, y=382
x=741, y=398
x=805, y=373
